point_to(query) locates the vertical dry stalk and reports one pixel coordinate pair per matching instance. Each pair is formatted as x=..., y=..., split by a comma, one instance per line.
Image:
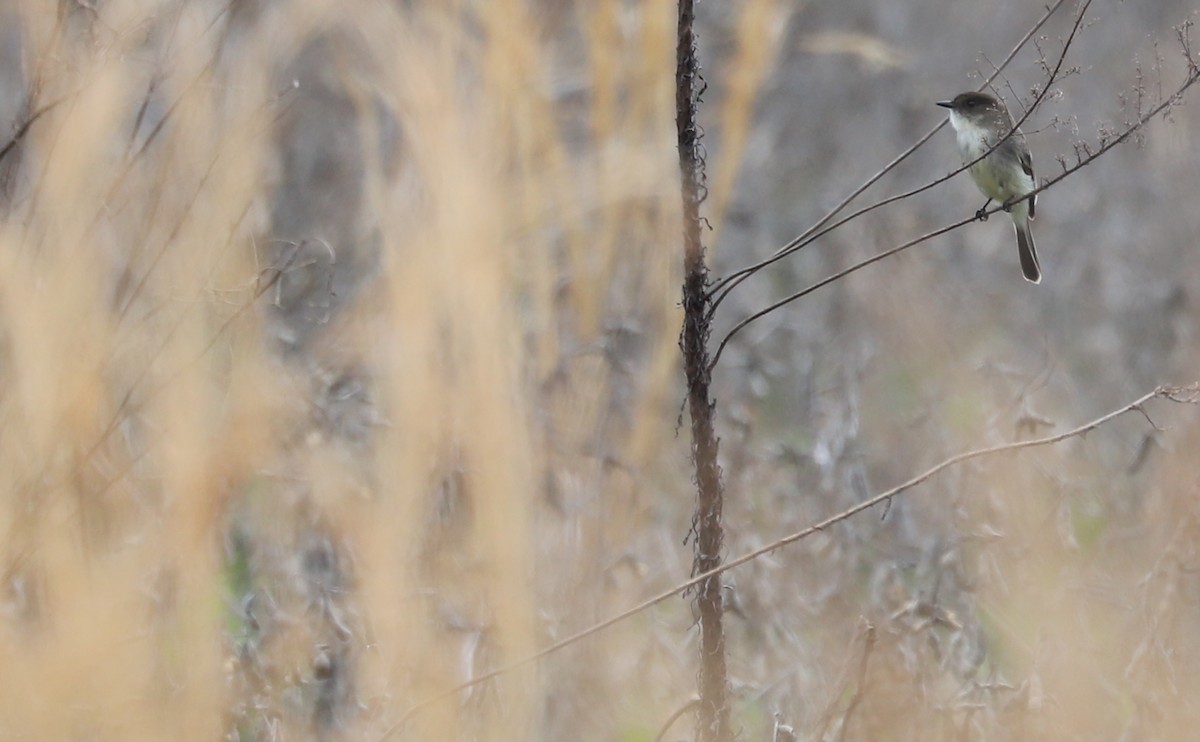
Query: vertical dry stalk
x=713, y=721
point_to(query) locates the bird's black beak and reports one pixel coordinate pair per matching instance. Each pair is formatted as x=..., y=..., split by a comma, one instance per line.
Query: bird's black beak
x=946, y=104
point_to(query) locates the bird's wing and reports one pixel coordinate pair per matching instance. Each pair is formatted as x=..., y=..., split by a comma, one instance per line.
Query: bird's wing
x=1027, y=166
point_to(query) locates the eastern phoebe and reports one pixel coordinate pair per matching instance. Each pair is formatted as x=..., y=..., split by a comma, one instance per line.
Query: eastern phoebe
x=1006, y=174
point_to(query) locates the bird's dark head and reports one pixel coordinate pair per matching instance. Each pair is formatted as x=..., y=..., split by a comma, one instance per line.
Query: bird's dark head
x=973, y=104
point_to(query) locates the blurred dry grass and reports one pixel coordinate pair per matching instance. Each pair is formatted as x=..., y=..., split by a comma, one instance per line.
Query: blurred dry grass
x=339, y=366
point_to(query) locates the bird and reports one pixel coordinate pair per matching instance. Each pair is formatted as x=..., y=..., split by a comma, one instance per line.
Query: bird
x=1005, y=172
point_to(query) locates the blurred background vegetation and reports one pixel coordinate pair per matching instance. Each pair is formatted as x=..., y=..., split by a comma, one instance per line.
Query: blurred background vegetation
x=338, y=366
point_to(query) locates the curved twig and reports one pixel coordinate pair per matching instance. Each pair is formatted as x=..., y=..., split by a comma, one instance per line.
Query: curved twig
x=728, y=283
x=1189, y=394
x=1170, y=101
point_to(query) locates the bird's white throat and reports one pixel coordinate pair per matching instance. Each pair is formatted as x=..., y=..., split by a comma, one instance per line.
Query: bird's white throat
x=972, y=139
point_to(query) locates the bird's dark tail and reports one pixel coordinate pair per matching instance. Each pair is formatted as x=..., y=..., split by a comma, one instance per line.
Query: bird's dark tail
x=1028, y=252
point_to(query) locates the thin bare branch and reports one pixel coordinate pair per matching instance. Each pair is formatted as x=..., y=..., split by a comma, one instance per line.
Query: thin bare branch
x=861, y=684
x=674, y=717
x=1085, y=159
x=1188, y=394
x=837, y=691
x=728, y=283
x=23, y=129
